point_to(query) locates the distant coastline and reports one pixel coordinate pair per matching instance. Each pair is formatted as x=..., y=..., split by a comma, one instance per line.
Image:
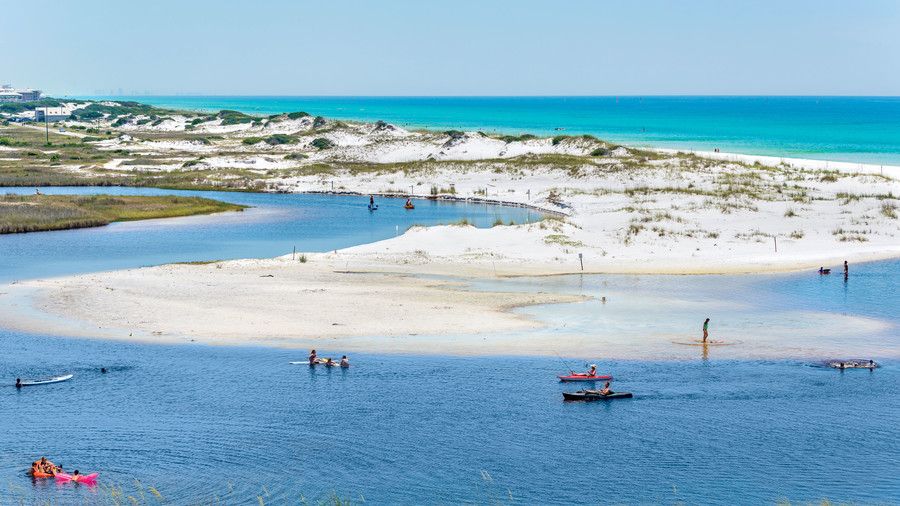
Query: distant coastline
x=860, y=130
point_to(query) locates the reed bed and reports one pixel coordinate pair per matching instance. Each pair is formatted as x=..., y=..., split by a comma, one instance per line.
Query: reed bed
x=34, y=213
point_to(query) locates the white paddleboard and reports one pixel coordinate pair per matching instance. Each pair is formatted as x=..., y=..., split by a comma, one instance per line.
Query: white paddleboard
x=47, y=381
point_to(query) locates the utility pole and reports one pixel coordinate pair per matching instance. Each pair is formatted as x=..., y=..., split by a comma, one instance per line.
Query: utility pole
x=47, y=124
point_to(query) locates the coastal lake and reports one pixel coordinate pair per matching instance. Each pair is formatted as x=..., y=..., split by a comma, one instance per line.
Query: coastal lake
x=273, y=226
x=231, y=424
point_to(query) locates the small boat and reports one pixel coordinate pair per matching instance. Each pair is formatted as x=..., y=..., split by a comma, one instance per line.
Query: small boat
x=87, y=479
x=594, y=395
x=583, y=377
x=46, y=381
x=853, y=364
x=824, y=271
x=39, y=475
x=409, y=206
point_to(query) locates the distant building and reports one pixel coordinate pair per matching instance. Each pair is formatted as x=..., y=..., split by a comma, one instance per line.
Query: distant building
x=30, y=95
x=51, y=114
x=10, y=94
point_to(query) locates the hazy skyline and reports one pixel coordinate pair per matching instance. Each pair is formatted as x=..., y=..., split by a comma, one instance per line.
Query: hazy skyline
x=465, y=47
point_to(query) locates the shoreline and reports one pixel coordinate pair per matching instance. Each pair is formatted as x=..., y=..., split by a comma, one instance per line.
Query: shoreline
x=635, y=143
x=411, y=314
x=885, y=170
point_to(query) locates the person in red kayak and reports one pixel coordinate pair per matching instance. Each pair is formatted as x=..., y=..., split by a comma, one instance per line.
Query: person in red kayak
x=593, y=371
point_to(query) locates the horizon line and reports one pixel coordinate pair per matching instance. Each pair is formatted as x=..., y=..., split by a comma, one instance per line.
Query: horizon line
x=652, y=95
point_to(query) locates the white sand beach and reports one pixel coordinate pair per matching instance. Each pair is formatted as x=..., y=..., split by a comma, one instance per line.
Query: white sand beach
x=610, y=209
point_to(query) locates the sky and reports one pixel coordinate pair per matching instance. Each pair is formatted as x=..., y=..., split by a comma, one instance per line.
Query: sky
x=456, y=47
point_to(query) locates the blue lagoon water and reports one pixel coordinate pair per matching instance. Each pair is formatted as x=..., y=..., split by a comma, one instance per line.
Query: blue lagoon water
x=852, y=129
x=273, y=226
x=196, y=421
x=203, y=423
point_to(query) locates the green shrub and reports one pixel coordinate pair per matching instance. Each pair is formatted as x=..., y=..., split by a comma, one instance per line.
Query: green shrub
x=296, y=156
x=319, y=122
x=322, y=143
x=297, y=115
x=90, y=138
x=276, y=139
x=252, y=140
x=559, y=138
x=600, y=152
x=517, y=138
x=234, y=117
x=12, y=107
x=6, y=141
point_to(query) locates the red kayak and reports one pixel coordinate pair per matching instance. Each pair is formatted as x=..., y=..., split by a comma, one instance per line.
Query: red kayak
x=583, y=377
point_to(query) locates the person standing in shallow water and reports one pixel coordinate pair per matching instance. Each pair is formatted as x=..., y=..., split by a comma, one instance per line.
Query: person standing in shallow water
x=705, y=330
x=846, y=269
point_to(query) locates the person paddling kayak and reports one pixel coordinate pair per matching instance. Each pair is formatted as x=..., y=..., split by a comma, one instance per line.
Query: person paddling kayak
x=606, y=390
x=593, y=370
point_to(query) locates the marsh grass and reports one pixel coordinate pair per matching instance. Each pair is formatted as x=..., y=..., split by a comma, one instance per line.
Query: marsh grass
x=138, y=494
x=850, y=235
x=562, y=240
x=33, y=213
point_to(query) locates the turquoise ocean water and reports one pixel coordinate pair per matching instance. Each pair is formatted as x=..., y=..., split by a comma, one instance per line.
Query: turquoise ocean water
x=851, y=129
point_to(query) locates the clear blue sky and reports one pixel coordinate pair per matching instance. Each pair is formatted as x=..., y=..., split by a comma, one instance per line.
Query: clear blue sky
x=453, y=47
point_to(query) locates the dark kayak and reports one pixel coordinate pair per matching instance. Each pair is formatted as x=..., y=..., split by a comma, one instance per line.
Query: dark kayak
x=588, y=395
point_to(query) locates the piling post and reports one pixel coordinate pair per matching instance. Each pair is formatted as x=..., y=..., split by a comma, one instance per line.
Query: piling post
x=581, y=261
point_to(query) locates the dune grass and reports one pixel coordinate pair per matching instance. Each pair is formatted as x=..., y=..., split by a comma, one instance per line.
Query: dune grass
x=34, y=213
